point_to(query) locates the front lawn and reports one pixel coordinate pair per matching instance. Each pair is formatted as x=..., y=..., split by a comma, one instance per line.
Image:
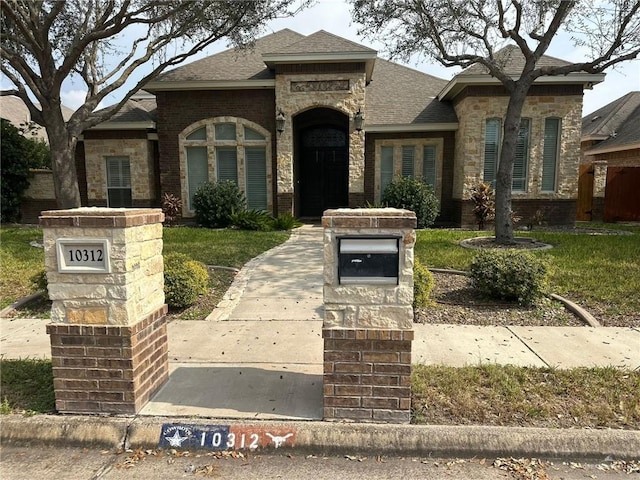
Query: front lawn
x=599, y=271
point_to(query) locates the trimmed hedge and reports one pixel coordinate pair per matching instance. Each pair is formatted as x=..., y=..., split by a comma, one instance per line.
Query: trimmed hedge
x=184, y=280
x=509, y=275
x=423, y=283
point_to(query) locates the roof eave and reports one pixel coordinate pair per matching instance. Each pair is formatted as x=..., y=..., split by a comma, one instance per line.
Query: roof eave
x=167, y=86
x=124, y=126
x=613, y=148
x=411, y=127
x=459, y=82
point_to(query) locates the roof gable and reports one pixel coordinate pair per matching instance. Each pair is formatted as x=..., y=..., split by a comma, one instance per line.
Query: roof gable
x=230, y=65
x=324, y=42
x=616, y=124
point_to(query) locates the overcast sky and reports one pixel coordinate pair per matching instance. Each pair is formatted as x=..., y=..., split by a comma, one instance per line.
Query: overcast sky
x=334, y=16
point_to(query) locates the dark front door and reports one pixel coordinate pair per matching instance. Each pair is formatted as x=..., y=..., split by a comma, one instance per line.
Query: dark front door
x=323, y=171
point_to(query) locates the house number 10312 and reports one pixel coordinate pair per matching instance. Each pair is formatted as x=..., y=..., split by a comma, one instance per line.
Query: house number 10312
x=86, y=255
x=78, y=255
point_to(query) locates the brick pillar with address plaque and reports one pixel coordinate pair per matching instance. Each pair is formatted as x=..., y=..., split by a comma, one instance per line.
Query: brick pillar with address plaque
x=368, y=319
x=108, y=333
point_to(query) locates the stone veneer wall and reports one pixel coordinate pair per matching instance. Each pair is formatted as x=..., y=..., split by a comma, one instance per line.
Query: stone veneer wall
x=293, y=103
x=108, y=332
x=474, y=110
x=367, y=328
x=140, y=153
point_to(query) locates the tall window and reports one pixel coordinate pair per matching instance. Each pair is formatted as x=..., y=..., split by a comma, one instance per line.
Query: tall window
x=521, y=160
x=429, y=165
x=228, y=150
x=492, y=136
x=492, y=144
x=550, y=154
x=408, y=161
x=386, y=167
x=118, y=182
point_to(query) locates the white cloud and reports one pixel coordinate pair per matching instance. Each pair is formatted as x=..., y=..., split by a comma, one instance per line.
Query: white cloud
x=75, y=98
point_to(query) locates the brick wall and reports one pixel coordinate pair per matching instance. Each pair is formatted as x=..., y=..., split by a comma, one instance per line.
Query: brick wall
x=108, y=369
x=555, y=212
x=178, y=110
x=367, y=375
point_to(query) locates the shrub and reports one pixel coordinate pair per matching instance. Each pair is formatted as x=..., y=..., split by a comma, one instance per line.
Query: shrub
x=483, y=198
x=285, y=221
x=184, y=280
x=509, y=275
x=422, y=284
x=412, y=194
x=39, y=282
x=215, y=202
x=171, y=207
x=252, y=220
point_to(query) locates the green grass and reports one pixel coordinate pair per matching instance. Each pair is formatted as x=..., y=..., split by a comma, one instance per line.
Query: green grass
x=229, y=248
x=26, y=386
x=18, y=261
x=526, y=396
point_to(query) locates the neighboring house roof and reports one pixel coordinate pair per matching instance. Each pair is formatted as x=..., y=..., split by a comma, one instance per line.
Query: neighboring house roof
x=14, y=109
x=615, y=126
x=512, y=61
x=139, y=112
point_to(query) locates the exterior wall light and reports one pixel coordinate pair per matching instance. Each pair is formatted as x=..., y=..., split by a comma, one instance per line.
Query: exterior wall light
x=358, y=120
x=280, y=121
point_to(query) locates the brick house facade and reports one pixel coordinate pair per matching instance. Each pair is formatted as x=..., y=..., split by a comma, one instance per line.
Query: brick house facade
x=215, y=119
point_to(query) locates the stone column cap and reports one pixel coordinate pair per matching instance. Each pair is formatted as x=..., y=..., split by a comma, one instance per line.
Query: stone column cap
x=369, y=218
x=101, y=217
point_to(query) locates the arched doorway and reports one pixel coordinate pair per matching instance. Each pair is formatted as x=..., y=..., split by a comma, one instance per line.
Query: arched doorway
x=321, y=161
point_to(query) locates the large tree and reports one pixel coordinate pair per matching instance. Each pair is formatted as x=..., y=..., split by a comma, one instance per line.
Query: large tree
x=467, y=32
x=103, y=44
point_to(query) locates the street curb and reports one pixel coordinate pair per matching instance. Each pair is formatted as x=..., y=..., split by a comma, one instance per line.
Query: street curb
x=337, y=438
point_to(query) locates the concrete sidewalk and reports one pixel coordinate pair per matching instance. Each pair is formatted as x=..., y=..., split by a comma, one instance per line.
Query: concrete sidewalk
x=259, y=355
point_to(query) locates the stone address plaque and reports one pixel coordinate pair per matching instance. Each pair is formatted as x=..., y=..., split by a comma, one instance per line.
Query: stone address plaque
x=83, y=255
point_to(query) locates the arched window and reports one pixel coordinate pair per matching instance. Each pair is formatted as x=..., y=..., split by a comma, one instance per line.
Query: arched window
x=227, y=148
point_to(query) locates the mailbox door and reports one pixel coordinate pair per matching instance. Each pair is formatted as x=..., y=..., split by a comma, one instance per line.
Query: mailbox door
x=368, y=260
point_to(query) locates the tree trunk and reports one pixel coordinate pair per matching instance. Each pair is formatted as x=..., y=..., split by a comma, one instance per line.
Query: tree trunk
x=63, y=164
x=504, y=177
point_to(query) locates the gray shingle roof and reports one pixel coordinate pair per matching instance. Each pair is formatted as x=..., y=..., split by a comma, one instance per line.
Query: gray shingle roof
x=234, y=64
x=619, y=122
x=511, y=59
x=323, y=42
x=401, y=95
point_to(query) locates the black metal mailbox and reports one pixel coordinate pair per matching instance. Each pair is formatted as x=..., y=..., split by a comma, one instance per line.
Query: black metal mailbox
x=368, y=260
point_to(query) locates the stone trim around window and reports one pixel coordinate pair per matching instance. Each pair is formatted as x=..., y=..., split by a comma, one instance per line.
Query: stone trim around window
x=240, y=143
x=418, y=144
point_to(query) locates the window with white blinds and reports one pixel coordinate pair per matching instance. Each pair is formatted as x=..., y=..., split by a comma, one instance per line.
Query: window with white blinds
x=256, y=177
x=492, y=134
x=386, y=167
x=408, y=161
x=226, y=164
x=550, y=154
x=521, y=159
x=197, y=170
x=429, y=167
x=238, y=151
x=118, y=182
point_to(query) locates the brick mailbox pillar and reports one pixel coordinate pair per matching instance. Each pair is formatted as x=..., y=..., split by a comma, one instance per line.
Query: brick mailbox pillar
x=108, y=332
x=368, y=319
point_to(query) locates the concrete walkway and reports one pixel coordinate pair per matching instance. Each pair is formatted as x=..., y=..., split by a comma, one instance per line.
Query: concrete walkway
x=259, y=355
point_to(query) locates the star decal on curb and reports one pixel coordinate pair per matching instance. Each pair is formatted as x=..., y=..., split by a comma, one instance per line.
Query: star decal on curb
x=176, y=439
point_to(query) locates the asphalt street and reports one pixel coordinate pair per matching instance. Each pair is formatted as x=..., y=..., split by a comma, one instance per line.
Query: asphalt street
x=44, y=463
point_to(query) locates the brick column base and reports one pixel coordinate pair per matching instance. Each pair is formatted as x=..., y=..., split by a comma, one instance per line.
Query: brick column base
x=367, y=375
x=109, y=368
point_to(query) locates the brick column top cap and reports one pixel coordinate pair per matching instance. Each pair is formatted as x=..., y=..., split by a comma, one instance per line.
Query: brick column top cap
x=369, y=212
